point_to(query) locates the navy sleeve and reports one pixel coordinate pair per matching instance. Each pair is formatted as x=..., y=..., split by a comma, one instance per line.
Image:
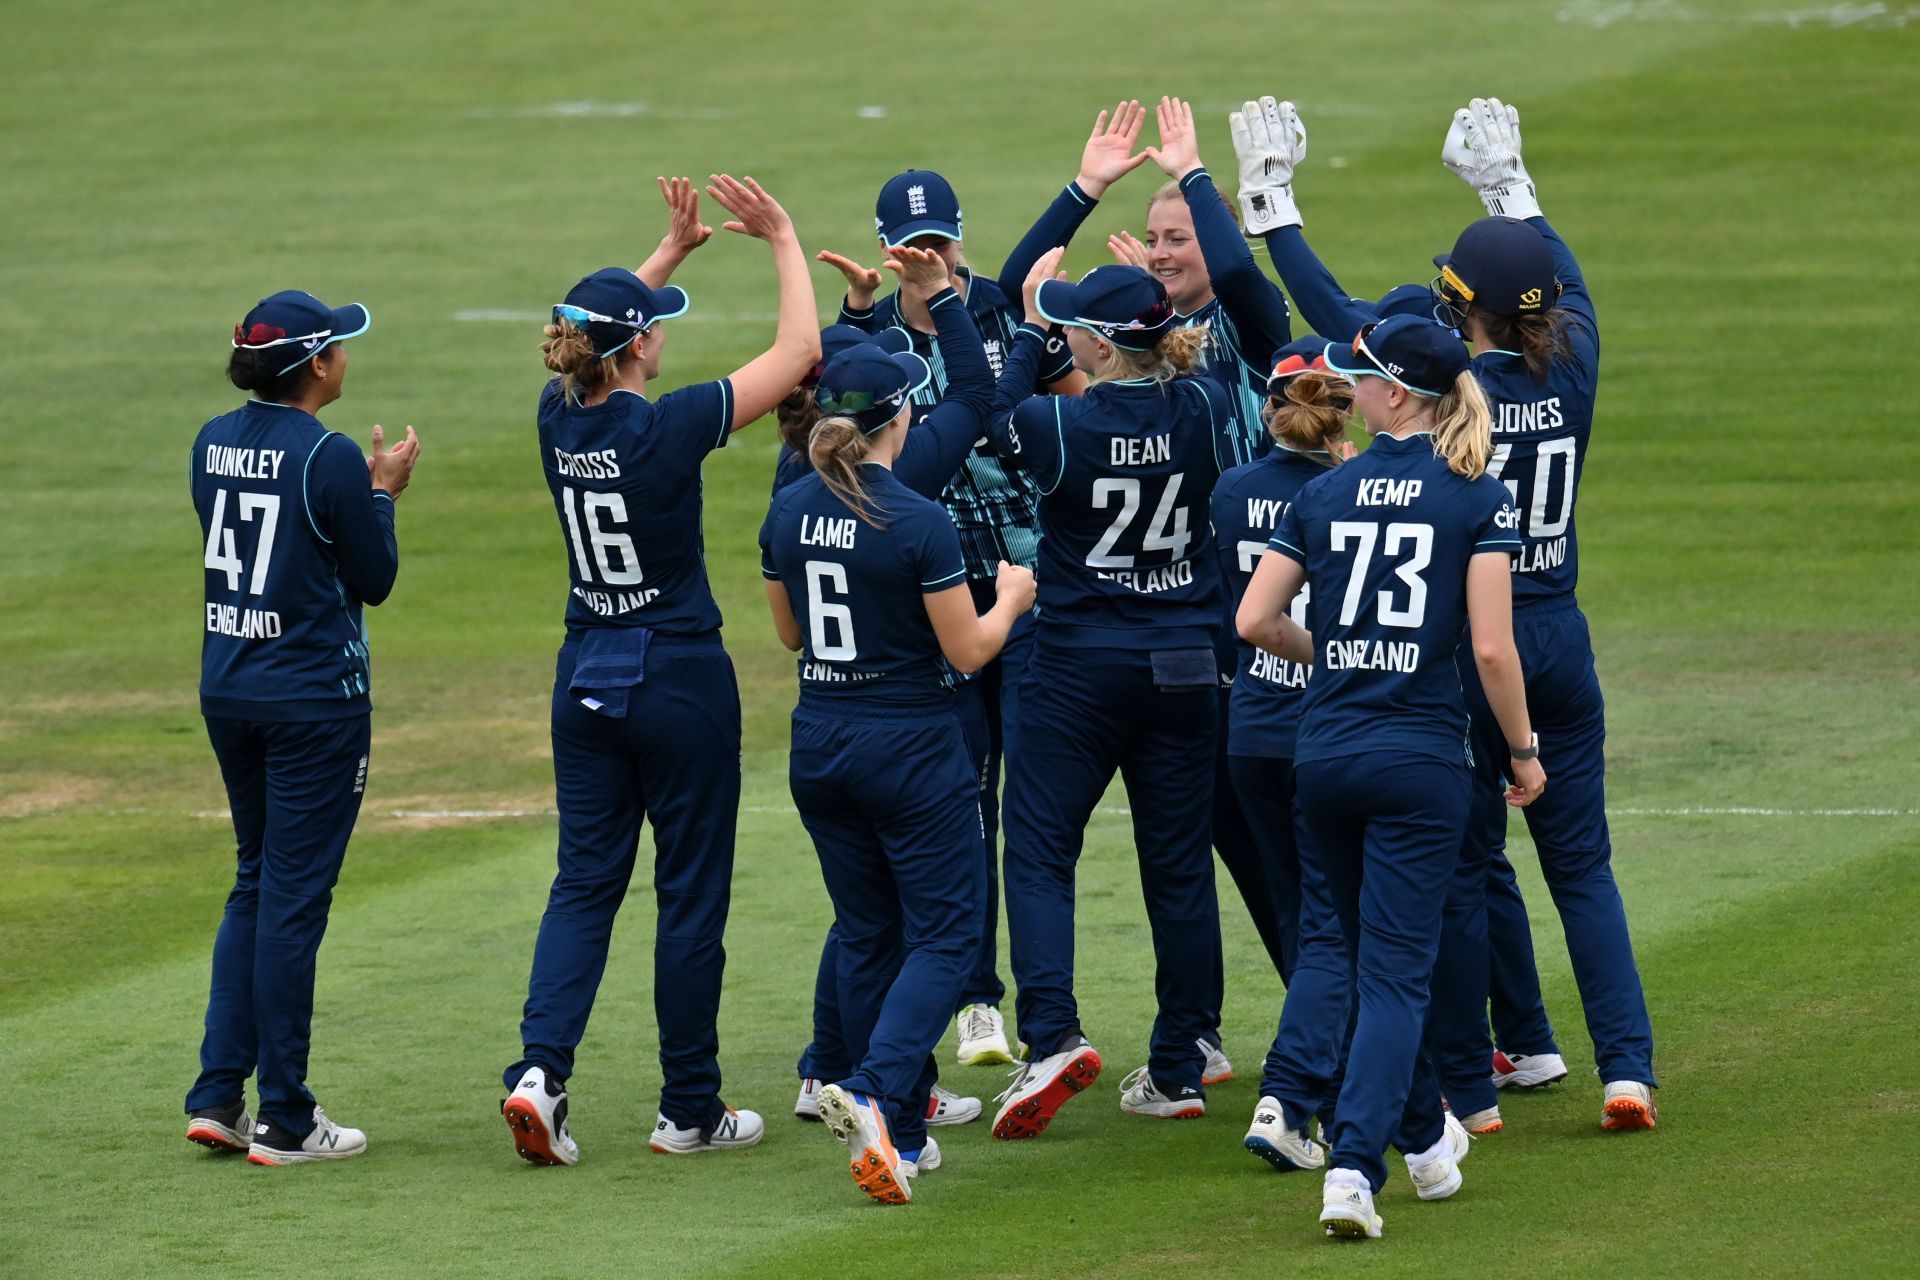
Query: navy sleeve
x=935, y=548
x=938, y=444
x=1016, y=383
x=862, y=320
x=1323, y=303
x=1573, y=293
x=1254, y=302
x=1054, y=229
x=766, y=544
x=1221, y=428
x=1496, y=525
x=1056, y=362
x=347, y=511
x=1033, y=438
x=1288, y=537
x=691, y=423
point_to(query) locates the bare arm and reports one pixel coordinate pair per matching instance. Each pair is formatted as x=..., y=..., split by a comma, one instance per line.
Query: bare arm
x=685, y=232
x=764, y=381
x=785, y=625
x=968, y=640
x=1490, y=611
x=1262, y=617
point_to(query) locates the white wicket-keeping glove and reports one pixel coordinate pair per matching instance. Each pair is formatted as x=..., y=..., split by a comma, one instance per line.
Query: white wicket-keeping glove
x=1269, y=140
x=1483, y=150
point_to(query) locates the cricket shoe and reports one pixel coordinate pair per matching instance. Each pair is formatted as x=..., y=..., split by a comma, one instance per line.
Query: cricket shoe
x=807, y=1105
x=946, y=1107
x=1527, y=1070
x=1436, y=1171
x=1628, y=1105
x=537, y=1116
x=1218, y=1070
x=1346, y=1206
x=733, y=1130
x=925, y=1160
x=274, y=1145
x=1040, y=1089
x=856, y=1120
x=1484, y=1122
x=1139, y=1096
x=221, y=1128
x=983, y=1036
x=1283, y=1148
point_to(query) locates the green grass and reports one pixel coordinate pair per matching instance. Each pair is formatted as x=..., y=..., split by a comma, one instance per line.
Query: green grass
x=1739, y=190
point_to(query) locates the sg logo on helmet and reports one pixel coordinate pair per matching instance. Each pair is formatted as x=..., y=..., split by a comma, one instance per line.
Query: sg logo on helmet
x=1531, y=298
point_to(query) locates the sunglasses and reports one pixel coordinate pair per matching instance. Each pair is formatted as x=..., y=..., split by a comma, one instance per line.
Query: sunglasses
x=1152, y=318
x=239, y=336
x=580, y=317
x=854, y=403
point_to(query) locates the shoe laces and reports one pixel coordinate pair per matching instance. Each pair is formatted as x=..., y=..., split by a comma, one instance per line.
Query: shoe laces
x=976, y=1022
x=1019, y=1078
x=944, y=1095
x=1138, y=1078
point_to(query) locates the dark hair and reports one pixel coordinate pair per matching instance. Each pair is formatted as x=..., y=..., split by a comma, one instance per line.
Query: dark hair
x=1540, y=337
x=259, y=373
x=796, y=415
x=1311, y=412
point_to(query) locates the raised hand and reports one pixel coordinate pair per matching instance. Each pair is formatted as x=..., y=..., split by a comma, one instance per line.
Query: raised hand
x=1482, y=149
x=755, y=213
x=685, y=231
x=922, y=272
x=1127, y=251
x=391, y=469
x=861, y=281
x=1048, y=268
x=1269, y=141
x=1109, y=155
x=1179, y=151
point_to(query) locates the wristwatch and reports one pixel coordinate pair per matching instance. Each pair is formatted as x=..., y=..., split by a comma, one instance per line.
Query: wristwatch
x=1529, y=752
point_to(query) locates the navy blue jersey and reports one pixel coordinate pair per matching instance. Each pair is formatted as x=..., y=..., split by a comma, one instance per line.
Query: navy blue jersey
x=625, y=477
x=297, y=540
x=1540, y=430
x=1263, y=710
x=856, y=589
x=1124, y=474
x=1385, y=539
x=1247, y=318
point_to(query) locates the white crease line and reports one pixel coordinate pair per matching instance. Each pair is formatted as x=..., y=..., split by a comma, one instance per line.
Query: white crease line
x=1606, y=13
x=600, y=111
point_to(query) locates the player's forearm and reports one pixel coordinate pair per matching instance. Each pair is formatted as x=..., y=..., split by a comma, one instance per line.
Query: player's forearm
x=969, y=376
x=1566, y=269
x=1054, y=228
x=1254, y=302
x=797, y=333
x=1505, y=685
x=1323, y=304
x=659, y=267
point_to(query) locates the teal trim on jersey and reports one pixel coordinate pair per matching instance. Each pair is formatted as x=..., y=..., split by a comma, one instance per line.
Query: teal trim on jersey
x=306, y=499
x=1060, y=432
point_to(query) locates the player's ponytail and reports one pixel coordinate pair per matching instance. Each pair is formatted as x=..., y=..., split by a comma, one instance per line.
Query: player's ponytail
x=1311, y=414
x=795, y=416
x=1463, y=427
x=1181, y=351
x=259, y=373
x=569, y=352
x=836, y=447
x=1540, y=338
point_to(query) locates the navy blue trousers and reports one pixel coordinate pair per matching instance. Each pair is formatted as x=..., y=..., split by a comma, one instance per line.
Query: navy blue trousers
x=891, y=799
x=1245, y=850
x=1569, y=828
x=1520, y=1023
x=1265, y=786
x=673, y=761
x=1085, y=713
x=1379, y=837
x=294, y=790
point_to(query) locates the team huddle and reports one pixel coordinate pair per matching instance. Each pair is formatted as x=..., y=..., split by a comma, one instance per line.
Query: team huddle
x=1025, y=533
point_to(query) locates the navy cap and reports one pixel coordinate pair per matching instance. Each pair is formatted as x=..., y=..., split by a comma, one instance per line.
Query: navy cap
x=1502, y=265
x=1420, y=355
x=1407, y=300
x=836, y=338
x=613, y=304
x=300, y=325
x=1124, y=305
x=1294, y=359
x=870, y=385
x=916, y=203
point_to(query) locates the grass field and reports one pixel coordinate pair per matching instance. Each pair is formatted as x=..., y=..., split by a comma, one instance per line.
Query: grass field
x=1738, y=181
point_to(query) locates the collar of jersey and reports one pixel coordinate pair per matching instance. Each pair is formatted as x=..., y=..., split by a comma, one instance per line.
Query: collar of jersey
x=580, y=406
x=1394, y=442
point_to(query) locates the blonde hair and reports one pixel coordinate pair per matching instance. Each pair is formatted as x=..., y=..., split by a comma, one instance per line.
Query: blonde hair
x=1180, y=351
x=836, y=447
x=1463, y=427
x=1311, y=413
x=569, y=352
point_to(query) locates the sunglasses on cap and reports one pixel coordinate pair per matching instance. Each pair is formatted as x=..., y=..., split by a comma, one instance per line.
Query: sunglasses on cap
x=262, y=336
x=1380, y=367
x=1339, y=397
x=1152, y=318
x=854, y=403
x=580, y=317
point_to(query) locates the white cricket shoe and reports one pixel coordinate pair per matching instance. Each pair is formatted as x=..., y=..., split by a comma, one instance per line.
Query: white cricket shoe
x=221, y=1128
x=1527, y=1070
x=537, y=1116
x=925, y=1160
x=735, y=1129
x=1483, y=1122
x=1141, y=1097
x=1283, y=1148
x=1628, y=1105
x=1436, y=1171
x=946, y=1107
x=1040, y=1089
x=807, y=1105
x=983, y=1036
x=1218, y=1070
x=856, y=1120
x=1346, y=1206
x=273, y=1145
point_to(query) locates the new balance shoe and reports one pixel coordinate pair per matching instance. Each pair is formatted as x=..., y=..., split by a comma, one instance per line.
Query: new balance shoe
x=807, y=1105
x=733, y=1130
x=274, y=1145
x=1527, y=1070
x=536, y=1115
x=1283, y=1148
x=856, y=1120
x=1346, y=1206
x=1483, y=1122
x=1040, y=1089
x=221, y=1128
x=946, y=1107
x=1218, y=1070
x=925, y=1160
x=1141, y=1097
x=1436, y=1171
x=1628, y=1105
x=983, y=1036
